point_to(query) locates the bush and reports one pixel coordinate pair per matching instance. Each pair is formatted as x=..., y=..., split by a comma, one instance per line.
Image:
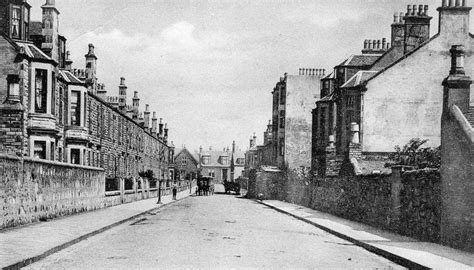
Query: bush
x=412, y=154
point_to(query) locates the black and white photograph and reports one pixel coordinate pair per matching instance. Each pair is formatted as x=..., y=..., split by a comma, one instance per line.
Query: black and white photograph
x=236, y=134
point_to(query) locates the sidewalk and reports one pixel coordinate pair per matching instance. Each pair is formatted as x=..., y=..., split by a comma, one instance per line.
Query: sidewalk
x=403, y=250
x=24, y=245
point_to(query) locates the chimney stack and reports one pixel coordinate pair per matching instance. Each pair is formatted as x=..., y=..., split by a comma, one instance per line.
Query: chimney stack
x=154, y=124
x=165, y=137
x=454, y=20
x=417, y=27
x=146, y=116
x=160, y=128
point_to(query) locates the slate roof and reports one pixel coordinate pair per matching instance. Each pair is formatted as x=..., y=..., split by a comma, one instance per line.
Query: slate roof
x=331, y=75
x=470, y=116
x=214, y=158
x=185, y=151
x=327, y=97
x=359, y=77
x=68, y=77
x=359, y=60
x=33, y=52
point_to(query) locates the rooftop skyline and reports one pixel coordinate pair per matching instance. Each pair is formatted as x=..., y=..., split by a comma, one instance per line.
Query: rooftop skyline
x=208, y=67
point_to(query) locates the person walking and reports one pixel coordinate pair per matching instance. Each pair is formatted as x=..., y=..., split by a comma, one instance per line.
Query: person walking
x=175, y=190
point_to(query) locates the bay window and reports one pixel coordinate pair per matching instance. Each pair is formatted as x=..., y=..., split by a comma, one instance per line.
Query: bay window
x=39, y=150
x=75, y=108
x=41, y=90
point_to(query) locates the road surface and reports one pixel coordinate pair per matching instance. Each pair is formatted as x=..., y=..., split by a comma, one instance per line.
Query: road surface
x=219, y=231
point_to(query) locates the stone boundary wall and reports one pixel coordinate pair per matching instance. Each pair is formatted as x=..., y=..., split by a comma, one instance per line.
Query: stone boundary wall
x=34, y=190
x=408, y=202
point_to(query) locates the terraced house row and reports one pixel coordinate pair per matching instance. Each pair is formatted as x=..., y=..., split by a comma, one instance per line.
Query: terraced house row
x=54, y=112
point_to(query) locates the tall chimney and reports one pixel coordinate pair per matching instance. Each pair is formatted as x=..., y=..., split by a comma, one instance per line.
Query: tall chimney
x=122, y=94
x=154, y=124
x=165, y=136
x=417, y=29
x=146, y=117
x=454, y=21
x=135, y=105
x=160, y=128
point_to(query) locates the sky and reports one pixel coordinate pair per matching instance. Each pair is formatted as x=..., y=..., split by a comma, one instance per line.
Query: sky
x=208, y=67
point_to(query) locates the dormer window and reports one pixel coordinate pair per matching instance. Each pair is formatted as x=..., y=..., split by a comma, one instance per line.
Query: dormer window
x=15, y=21
x=224, y=160
x=206, y=160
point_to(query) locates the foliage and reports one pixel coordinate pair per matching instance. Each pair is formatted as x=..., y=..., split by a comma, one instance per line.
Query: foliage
x=412, y=154
x=147, y=174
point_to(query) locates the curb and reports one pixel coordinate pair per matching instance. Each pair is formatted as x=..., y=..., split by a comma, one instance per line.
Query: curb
x=381, y=252
x=45, y=254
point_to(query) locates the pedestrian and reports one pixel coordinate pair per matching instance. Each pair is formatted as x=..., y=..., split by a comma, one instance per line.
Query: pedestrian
x=175, y=190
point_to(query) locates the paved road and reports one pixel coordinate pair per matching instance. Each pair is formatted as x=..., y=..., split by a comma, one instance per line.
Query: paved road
x=218, y=231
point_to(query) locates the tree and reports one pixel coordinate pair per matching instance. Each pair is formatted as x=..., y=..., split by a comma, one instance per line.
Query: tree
x=148, y=174
x=412, y=154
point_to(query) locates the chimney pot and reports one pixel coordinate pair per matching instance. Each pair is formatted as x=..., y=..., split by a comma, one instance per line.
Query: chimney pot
x=146, y=107
x=122, y=81
x=420, y=10
x=324, y=71
x=451, y=3
x=463, y=3
x=408, y=10
x=154, y=115
x=414, y=10
x=443, y=4
x=384, y=43
x=378, y=44
x=425, y=12
x=135, y=94
x=458, y=3
x=401, y=18
x=369, y=44
x=395, y=17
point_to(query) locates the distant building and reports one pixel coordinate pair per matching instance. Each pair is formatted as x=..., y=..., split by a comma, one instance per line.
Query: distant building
x=186, y=164
x=294, y=98
x=222, y=165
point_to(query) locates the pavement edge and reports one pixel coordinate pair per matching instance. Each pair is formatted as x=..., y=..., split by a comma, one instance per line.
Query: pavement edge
x=381, y=252
x=28, y=261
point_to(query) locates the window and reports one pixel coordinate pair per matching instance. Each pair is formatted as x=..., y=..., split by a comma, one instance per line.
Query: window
x=41, y=83
x=53, y=93
x=206, y=159
x=76, y=108
x=212, y=173
x=282, y=119
x=224, y=174
x=224, y=160
x=60, y=154
x=184, y=161
x=39, y=150
x=26, y=21
x=51, y=151
x=350, y=101
x=75, y=156
x=240, y=161
x=61, y=104
x=282, y=95
x=282, y=146
x=16, y=11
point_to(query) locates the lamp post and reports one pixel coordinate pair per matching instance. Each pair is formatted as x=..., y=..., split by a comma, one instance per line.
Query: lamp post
x=159, y=192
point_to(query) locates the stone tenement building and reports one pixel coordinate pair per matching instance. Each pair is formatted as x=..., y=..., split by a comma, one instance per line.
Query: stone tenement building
x=53, y=112
x=393, y=96
x=293, y=100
